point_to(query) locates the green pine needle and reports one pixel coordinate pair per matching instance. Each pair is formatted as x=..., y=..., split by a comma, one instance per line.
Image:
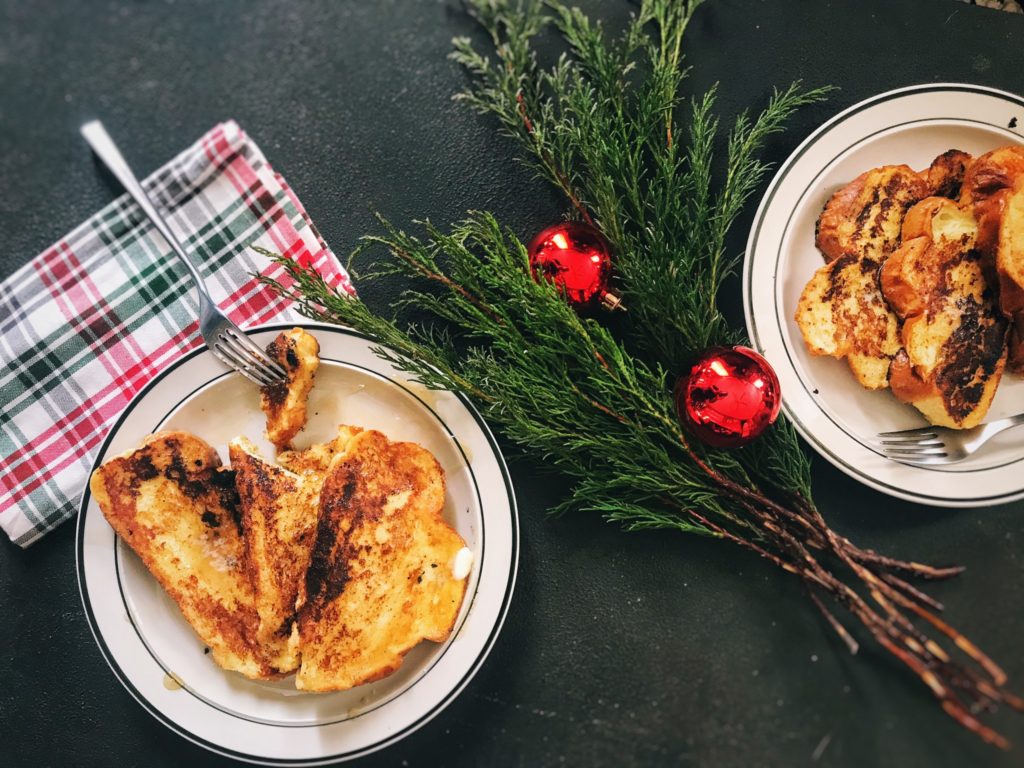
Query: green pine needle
x=606, y=126
x=603, y=126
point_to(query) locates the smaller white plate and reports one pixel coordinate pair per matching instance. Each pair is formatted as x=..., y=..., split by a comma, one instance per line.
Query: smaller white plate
x=820, y=396
x=160, y=660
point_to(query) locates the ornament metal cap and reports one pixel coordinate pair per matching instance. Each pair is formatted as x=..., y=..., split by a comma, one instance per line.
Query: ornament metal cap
x=612, y=301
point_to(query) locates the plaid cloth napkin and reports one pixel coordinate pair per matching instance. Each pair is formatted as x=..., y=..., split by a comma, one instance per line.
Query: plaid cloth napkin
x=87, y=323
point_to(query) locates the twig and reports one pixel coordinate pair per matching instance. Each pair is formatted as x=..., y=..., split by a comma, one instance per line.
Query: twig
x=549, y=161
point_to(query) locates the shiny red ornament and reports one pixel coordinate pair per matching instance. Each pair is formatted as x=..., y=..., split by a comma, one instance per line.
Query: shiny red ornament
x=729, y=397
x=575, y=257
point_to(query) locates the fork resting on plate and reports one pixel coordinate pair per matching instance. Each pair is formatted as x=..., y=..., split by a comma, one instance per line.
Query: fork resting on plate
x=225, y=339
x=939, y=445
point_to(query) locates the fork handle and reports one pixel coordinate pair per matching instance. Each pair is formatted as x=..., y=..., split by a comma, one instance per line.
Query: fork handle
x=993, y=428
x=106, y=150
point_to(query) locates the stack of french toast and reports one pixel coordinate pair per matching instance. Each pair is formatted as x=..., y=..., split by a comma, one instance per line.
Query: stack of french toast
x=922, y=290
x=331, y=562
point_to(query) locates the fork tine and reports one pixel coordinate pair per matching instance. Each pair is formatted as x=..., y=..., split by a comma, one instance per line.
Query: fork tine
x=911, y=433
x=241, y=367
x=246, y=368
x=913, y=442
x=244, y=363
x=250, y=345
x=245, y=350
x=254, y=349
x=937, y=451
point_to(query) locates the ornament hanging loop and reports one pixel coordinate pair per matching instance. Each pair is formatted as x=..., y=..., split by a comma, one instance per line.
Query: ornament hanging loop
x=612, y=301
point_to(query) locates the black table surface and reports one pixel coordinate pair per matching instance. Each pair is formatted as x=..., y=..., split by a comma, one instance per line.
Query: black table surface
x=619, y=649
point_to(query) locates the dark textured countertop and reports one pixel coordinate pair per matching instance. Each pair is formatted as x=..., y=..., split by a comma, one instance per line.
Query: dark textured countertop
x=620, y=649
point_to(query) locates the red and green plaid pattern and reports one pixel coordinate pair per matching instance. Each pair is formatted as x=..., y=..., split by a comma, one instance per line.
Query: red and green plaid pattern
x=87, y=323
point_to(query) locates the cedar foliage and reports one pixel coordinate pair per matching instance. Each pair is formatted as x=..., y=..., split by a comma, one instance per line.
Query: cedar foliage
x=606, y=125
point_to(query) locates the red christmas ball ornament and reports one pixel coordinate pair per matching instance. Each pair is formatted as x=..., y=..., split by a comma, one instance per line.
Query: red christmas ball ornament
x=729, y=397
x=576, y=258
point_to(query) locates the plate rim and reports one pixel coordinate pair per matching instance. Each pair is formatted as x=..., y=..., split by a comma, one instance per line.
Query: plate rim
x=385, y=742
x=121, y=548
x=806, y=431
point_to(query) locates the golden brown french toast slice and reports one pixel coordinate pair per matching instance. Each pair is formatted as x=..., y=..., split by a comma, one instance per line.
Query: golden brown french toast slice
x=842, y=314
x=945, y=176
x=1010, y=271
x=991, y=172
x=953, y=334
x=864, y=217
x=176, y=507
x=285, y=404
x=382, y=575
x=988, y=182
x=316, y=459
x=312, y=464
x=841, y=311
x=279, y=513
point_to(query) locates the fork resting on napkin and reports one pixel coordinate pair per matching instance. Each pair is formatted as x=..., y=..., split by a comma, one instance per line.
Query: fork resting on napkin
x=88, y=322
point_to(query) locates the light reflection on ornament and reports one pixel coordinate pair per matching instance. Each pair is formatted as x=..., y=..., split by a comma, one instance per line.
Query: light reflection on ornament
x=576, y=258
x=729, y=397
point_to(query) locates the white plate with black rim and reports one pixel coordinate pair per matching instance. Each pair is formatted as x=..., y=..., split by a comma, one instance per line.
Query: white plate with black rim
x=162, y=663
x=820, y=396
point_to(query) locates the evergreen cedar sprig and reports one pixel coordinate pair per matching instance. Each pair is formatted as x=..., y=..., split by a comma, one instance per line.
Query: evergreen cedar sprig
x=599, y=125
x=602, y=126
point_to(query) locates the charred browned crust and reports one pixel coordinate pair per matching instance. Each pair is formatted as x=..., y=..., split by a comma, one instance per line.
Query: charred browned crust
x=946, y=174
x=842, y=313
x=328, y=563
x=971, y=356
x=190, y=500
x=279, y=514
x=865, y=329
x=864, y=217
x=953, y=333
x=381, y=549
x=285, y=403
x=987, y=184
x=281, y=349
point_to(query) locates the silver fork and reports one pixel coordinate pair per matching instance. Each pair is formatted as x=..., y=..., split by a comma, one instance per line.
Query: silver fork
x=938, y=445
x=225, y=339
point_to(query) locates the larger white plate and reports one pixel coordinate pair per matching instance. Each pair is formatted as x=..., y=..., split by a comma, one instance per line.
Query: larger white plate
x=832, y=412
x=162, y=663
